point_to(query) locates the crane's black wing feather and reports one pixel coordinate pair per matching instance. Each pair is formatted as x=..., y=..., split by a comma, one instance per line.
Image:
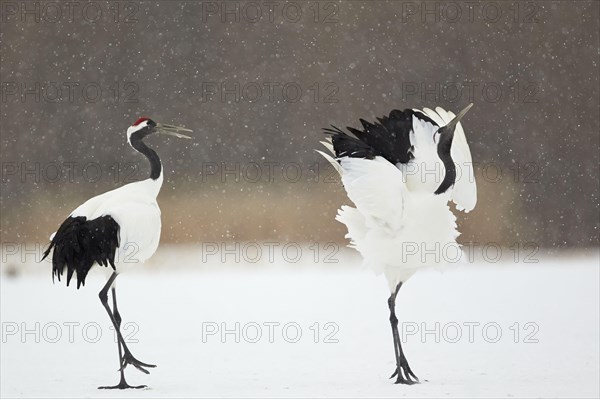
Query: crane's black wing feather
x=79, y=243
x=388, y=138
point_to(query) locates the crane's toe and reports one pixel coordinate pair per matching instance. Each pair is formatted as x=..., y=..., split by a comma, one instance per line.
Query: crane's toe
x=404, y=381
x=129, y=359
x=406, y=377
x=124, y=385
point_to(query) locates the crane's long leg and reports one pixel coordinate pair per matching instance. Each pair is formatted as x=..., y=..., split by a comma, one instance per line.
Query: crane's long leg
x=403, y=372
x=125, y=357
x=122, y=383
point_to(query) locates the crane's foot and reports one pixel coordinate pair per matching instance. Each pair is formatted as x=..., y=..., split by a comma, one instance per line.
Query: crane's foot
x=124, y=385
x=129, y=359
x=406, y=377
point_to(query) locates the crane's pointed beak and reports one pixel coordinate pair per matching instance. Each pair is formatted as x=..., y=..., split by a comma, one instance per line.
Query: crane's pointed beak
x=450, y=126
x=171, y=130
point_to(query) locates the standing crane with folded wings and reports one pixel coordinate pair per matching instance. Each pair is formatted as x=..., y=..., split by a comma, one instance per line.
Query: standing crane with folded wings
x=94, y=232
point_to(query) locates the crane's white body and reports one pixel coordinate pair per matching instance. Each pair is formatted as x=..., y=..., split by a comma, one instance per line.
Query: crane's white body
x=398, y=224
x=134, y=208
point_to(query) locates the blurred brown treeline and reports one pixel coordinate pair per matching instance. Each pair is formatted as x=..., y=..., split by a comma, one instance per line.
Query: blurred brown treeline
x=258, y=92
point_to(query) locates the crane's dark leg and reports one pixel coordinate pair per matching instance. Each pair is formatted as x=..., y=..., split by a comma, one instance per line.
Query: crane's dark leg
x=125, y=356
x=403, y=372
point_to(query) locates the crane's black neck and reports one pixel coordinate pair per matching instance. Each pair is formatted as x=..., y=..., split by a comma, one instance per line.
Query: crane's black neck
x=443, y=150
x=140, y=146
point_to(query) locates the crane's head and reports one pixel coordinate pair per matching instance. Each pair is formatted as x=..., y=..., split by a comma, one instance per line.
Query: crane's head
x=145, y=126
x=444, y=135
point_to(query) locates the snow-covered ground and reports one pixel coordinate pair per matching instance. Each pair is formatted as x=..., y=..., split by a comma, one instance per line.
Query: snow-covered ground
x=483, y=330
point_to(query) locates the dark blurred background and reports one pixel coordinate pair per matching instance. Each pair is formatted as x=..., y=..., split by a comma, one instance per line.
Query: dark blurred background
x=258, y=80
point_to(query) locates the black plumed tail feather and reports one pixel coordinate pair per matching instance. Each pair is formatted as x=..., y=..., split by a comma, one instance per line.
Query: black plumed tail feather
x=79, y=243
x=388, y=138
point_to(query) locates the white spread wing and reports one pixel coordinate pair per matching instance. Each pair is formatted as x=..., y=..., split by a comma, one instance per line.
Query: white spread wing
x=377, y=188
x=330, y=157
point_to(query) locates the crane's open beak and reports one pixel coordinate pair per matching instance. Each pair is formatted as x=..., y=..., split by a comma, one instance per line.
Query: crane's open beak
x=171, y=130
x=450, y=126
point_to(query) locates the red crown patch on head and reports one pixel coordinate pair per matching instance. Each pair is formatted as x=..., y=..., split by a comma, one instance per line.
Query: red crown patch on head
x=142, y=119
